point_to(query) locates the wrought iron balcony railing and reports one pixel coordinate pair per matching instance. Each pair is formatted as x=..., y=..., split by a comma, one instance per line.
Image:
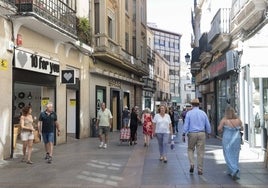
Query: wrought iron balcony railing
x=54, y=11
x=204, y=46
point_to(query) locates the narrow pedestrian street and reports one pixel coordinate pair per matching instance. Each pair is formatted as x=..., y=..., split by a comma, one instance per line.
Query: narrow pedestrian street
x=80, y=163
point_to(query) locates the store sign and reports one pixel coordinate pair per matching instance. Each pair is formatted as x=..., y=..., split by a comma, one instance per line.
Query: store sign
x=218, y=67
x=114, y=83
x=68, y=77
x=36, y=63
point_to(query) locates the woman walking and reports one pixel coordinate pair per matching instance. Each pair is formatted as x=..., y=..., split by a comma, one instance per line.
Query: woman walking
x=231, y=126
x=27, y=136
x=147, y=126
x=133, y=125
x=162, y=129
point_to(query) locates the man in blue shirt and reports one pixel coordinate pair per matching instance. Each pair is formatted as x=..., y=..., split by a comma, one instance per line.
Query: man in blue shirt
x=196, y=126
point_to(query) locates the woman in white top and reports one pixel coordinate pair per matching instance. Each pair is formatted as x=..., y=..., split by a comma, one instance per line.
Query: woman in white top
x=162, y=130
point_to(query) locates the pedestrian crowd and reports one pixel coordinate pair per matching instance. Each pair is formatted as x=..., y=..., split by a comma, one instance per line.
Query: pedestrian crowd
x=163, y=125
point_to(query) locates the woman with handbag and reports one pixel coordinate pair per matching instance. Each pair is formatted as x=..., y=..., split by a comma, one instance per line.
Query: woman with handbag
x=27, y=136
x=231, y=126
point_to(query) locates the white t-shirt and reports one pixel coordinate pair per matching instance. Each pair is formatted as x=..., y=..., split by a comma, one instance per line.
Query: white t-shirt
x=104, y=117
x=162, y=123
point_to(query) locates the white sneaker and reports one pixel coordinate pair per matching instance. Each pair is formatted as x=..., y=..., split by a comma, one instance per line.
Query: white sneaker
x=101, y=145
x=104, y=146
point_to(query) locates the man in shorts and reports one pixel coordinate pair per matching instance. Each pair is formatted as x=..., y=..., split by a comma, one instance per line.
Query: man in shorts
x=104, y=123
x=46, y=126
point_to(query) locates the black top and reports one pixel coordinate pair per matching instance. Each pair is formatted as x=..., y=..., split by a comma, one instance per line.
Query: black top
x=134, y=119
x=125, y=114
x=48, y=121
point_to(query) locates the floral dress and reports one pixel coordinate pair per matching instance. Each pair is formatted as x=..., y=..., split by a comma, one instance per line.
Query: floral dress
x=147, y=124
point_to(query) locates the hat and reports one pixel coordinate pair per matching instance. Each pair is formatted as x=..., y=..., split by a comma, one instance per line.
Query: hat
x=195, y=101
x=126, y=107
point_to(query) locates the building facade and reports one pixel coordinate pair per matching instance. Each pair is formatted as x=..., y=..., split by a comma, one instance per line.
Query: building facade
x=187, y=85
x=43, y=61
x=120, y=56
x=228, y=62
x=168, y=45
x=161, y=76
x=75, y=54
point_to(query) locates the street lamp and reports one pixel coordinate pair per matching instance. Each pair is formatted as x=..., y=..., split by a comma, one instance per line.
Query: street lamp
x=187, y=58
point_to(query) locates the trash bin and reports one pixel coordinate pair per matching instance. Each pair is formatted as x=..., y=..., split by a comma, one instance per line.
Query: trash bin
x=94, y=130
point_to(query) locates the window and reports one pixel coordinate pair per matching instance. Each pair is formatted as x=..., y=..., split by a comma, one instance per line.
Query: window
x=97, y=17
x=172, y=87
x=126, y=5
x=162, y=42
x=110, y=27
x=134, y=48
x=176, y=59
x=127, y=42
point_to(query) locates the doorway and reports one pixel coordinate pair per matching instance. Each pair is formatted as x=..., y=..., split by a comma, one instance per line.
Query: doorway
x=115, y=108
x=71, y=113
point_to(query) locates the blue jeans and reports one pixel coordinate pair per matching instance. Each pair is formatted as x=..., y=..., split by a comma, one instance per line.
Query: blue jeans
x=48, y=137
x=162, y=143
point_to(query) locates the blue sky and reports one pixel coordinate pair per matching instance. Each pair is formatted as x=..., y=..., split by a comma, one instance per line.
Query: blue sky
x=174, y=16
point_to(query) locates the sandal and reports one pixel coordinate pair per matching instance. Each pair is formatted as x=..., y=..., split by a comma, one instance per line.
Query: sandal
x=29, y=162
x=161, y=158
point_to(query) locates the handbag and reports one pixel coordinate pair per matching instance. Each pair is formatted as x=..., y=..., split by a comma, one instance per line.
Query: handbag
x=37, y=137
x=242, y=140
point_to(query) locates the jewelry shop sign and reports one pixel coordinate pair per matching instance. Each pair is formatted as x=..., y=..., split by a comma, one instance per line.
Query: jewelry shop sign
x=35, y=62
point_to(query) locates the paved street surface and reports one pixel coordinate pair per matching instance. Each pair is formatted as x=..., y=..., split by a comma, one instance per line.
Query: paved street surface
x=81, y=164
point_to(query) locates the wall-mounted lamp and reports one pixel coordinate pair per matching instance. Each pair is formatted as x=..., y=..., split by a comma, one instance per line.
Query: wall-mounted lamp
x=187, y=58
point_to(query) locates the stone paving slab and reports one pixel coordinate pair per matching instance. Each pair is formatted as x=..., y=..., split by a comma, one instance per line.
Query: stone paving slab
x=80, y=164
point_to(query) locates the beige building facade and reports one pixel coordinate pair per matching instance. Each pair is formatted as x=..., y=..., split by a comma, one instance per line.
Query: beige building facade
x=162, y=94
x=42, y=61
x=119, y=41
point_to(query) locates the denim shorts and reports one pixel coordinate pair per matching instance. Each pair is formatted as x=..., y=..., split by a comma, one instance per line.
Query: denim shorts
x=48, y=137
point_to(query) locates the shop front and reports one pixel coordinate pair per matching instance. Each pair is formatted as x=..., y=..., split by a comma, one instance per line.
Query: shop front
x=34, y=84
x=254, y=89
x=219, y=87
x=116, y=91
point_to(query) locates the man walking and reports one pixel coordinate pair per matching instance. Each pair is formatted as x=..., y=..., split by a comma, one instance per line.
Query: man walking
x=46, y=126
x=104, y=122
x=196, y=126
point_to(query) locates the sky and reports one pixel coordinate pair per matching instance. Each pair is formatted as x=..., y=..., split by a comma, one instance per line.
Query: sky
x=174, y=16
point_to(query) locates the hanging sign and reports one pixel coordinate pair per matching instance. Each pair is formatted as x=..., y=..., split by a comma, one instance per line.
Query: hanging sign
x=3, y=64
x=68, y=77
x=72, y=102
x=33, y=62
x=44, y=101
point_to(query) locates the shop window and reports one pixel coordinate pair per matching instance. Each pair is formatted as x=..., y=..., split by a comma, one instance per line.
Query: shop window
x=100, y=97
x=35, y=96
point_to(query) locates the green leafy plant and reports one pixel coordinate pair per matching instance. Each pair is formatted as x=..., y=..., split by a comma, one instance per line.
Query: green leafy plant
x=84, y=30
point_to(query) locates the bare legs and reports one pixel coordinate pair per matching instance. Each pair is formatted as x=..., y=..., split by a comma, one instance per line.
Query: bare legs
x=27, y=146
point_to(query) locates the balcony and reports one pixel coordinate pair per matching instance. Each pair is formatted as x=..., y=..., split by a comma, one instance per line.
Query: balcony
x=150, y=55
x=149, y=84
x=219, y=34
x=246, y=14
x=204, y=49
x=52, y=18
x=195, y=62
x=109, y=51
x=7, y=6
